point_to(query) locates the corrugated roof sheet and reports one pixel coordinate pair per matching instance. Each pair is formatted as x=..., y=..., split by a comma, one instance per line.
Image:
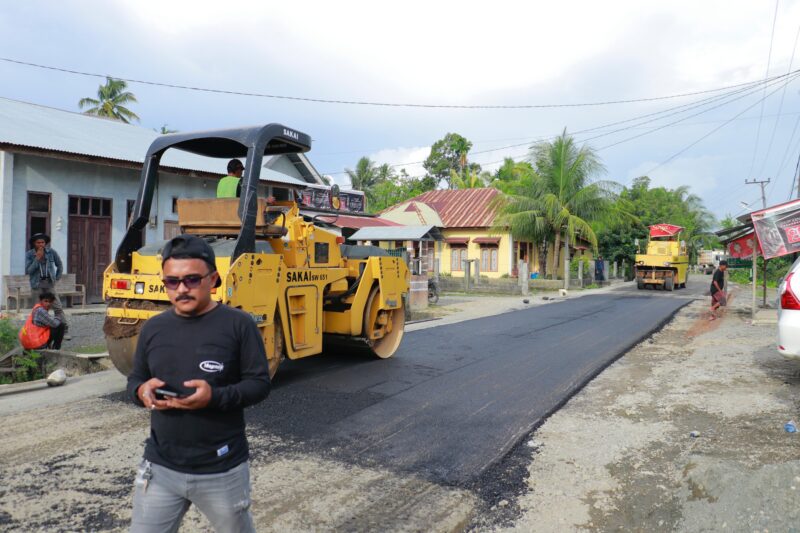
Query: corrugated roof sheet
x=399, y=233
x=462, y=208
x=47, y=128
x=354, y=221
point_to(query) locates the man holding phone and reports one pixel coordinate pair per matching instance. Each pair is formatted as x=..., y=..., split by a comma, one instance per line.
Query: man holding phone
x=197, y=366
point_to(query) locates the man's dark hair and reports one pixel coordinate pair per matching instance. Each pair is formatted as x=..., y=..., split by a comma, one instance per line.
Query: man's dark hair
x=47, y=295
x=723, y=263
x=234, y=165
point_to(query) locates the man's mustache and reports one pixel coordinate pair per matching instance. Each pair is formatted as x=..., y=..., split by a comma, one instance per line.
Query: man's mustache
x=183, y=297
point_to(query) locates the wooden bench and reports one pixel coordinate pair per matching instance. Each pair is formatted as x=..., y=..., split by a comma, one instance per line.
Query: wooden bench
x=19, y=287
x=68, y=287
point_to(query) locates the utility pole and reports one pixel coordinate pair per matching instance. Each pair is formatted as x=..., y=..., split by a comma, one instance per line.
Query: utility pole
x=763, y=184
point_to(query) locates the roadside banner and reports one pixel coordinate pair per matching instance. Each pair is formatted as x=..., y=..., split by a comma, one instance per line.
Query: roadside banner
x=742, y=248
x=664, y=230
x=778, y=229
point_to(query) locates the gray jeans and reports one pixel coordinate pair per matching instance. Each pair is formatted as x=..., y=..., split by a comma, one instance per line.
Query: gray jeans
x=162, y=496
x=58, y=309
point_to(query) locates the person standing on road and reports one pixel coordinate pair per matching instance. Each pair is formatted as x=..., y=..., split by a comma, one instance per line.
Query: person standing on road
x=44, y=268
x=718, y=296
x=212, y=358
x=231, y=185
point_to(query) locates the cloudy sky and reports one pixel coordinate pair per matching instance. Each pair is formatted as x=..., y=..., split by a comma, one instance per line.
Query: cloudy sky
x=448, y=53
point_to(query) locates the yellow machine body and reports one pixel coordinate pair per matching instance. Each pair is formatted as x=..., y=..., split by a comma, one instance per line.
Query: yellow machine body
x=298, y=287
x=664, y=266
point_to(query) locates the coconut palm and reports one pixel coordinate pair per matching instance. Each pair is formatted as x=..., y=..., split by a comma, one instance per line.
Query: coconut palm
x=110, y=101
x=562, y=200
x=469, y=179
x=365, y=176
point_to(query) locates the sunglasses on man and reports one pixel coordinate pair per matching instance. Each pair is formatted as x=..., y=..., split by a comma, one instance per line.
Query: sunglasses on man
x=192, y=281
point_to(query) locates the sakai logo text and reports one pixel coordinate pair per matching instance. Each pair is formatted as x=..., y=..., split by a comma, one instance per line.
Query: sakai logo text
x=293, y=277
x=291, y=134
x=156, y=288
x=211, y=366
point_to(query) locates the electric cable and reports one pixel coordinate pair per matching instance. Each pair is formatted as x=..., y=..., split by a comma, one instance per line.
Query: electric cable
x=368, y=102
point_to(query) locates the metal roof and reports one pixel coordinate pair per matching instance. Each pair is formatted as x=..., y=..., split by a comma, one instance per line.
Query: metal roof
x=34, y=126
x=352, y=221
x=462, y=208
x=397, y=233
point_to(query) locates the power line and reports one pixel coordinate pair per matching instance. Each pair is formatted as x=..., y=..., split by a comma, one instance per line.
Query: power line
x=780, y=107
x=367, y=102
x=714, y=130
x=769, y=59
x=751, y=88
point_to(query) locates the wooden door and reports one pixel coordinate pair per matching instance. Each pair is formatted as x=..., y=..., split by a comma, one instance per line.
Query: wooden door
x=89, y=242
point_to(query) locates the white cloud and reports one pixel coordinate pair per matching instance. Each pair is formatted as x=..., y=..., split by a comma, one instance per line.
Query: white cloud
x=409, y=159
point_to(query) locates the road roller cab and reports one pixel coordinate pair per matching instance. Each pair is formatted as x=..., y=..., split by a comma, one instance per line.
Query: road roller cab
x=291, y=273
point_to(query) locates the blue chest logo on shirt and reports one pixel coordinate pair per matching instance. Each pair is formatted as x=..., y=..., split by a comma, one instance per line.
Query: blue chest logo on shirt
x=211, y=366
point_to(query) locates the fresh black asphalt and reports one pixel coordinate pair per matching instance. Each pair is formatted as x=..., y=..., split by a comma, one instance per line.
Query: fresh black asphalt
x=454, y=399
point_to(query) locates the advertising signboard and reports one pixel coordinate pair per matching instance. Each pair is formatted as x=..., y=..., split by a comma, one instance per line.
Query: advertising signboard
x=778, y=229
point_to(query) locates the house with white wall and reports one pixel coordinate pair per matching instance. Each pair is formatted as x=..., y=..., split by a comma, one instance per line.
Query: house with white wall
x=76, y=177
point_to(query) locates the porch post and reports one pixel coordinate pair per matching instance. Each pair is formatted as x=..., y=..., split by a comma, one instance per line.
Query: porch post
x=6, y=213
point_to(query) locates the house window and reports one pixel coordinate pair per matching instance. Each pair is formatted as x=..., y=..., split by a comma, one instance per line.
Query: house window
x=89, y=207
x=38, y=213
x=489, y=258
x=174, y=204
x=457, y=257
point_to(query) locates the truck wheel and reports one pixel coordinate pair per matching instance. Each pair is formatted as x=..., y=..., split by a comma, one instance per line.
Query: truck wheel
x=669, y=284
x=640, y=284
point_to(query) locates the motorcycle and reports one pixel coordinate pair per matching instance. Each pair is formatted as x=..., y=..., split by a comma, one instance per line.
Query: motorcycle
x=433, y=291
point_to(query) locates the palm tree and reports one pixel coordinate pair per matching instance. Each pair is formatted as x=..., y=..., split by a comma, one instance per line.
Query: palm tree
x=562, y=200
x=364, y=176
x=110, y=101
x=461, y=146
x=165, y=129
x=469, y=179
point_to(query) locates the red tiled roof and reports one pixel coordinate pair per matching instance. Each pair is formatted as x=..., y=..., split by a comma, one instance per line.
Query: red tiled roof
x=355, y=222
x=461, y=208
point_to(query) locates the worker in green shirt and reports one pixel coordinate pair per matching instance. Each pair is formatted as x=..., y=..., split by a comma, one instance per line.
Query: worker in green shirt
x=231, y=185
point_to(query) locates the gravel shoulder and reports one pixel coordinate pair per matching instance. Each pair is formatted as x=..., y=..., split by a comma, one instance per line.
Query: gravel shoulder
x=620, y=455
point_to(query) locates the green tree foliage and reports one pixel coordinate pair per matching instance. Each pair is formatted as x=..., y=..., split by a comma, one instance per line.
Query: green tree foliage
x=469, y=179
x=657, y=205
x=560, y=199
x=399, y=189
x=110, y=102
x=165, y=130
x=447, y=154
x=513, y=177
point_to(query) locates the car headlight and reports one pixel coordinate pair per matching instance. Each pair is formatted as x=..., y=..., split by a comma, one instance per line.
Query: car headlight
x=139, y=287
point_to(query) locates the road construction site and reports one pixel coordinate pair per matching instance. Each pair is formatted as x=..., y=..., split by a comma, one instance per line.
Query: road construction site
x=478, y=423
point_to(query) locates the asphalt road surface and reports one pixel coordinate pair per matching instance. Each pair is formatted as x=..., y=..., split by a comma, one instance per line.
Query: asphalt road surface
x=454, y=399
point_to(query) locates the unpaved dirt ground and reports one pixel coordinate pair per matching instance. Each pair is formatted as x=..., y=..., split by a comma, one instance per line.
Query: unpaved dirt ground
x=619, y=455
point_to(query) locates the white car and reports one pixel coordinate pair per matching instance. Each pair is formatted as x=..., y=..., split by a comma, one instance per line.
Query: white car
x=789, y=313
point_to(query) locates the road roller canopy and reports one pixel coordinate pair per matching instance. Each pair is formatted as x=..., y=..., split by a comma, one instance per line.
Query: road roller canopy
x=253, y=143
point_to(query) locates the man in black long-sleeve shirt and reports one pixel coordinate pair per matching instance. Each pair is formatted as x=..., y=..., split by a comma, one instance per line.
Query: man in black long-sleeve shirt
x=213, y=357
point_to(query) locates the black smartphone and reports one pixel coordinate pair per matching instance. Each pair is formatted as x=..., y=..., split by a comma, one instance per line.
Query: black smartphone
x=162, y=393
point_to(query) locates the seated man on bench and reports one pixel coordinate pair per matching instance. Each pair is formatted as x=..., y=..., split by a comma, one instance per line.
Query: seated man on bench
x=42, y=330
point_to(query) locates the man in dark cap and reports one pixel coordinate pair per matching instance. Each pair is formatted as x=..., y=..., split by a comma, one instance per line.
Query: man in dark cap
x=197, y=366
x=44, y=268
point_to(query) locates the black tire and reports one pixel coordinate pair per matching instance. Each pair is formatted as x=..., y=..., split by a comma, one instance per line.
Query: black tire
x=669, y=284
x=640, y=285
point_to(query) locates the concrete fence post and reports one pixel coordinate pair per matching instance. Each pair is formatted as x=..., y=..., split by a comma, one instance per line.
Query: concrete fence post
x=615, y=270
x=624, y=270
x=523, y=277
x=467, y=273
x=580, y=272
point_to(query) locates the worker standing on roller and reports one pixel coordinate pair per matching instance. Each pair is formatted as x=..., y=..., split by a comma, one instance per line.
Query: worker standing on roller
x=231, y=185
